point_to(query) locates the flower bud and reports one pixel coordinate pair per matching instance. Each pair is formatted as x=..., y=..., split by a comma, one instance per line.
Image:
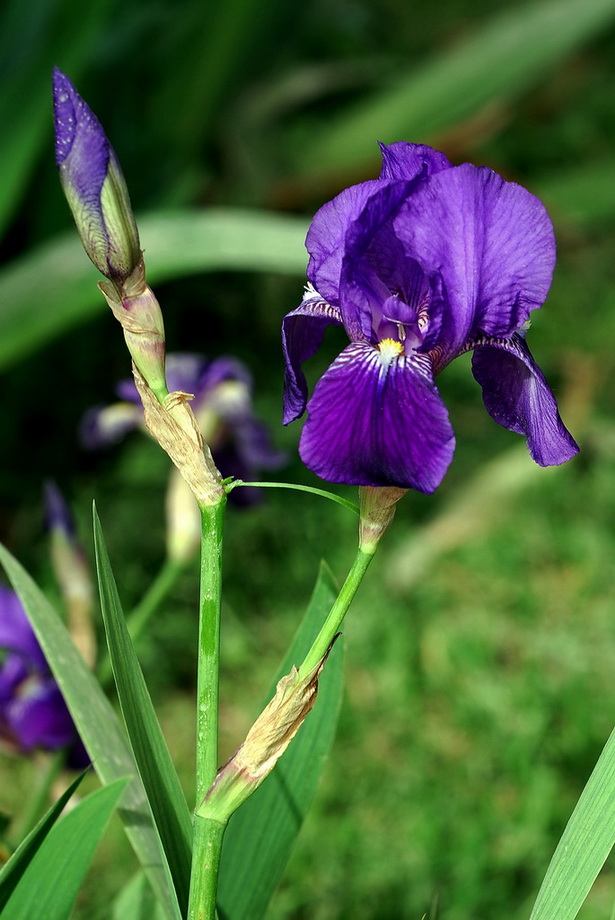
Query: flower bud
x=136, y=309
x=93, y=184
x=377, y=510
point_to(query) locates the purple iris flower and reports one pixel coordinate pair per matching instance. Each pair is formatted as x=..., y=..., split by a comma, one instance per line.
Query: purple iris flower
x=222, y=389
x=33, y=713
x=420, y=265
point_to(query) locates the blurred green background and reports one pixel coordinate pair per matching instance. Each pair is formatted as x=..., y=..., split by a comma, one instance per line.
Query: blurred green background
x=481, y=650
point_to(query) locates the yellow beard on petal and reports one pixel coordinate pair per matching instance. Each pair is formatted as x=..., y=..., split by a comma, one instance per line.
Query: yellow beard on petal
x=389, y=349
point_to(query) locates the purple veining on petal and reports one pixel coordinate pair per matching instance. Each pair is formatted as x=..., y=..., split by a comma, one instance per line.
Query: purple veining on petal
x=492, y=244
x=517, y=396
x=302, y=334
x=325, y=240
x=427, y=262
x=378, y=421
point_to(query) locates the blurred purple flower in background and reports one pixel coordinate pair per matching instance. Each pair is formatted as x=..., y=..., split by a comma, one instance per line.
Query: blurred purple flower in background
x=421, y=265
x=222, y=389
x=33, y=713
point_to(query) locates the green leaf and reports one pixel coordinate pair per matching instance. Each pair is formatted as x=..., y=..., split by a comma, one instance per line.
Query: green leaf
x=52, y=33
x=585, y=844
x=14, y=869
x=149, y=747
x=136, y=901
x=583, y=194
x=505, y=57
x=51, y=883
x=99, y=728
x=261, y=833
x=53, y=288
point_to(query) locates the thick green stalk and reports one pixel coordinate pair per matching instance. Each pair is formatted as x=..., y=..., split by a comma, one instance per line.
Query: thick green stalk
x=207, y=840
x=206, y=849
x=209, y=647
x=337, y=613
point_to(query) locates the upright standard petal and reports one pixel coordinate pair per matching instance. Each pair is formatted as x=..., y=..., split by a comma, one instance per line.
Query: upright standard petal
x=492, y=243
x=378, y=421
x=302, y=334
x=325, y=240
x=403, y=160
x=517, y=396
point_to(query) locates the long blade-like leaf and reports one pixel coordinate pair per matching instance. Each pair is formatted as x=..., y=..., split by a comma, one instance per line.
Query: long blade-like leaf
x=505, y=57
x=156, y=769
x=52, y=33
x=51, y=883
x=54, y=288
x=98, y=726
x=261, y=833
x=585, y=844
x=12, y=872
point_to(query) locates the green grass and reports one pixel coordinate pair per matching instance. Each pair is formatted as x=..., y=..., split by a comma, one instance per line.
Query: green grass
x=480, y=662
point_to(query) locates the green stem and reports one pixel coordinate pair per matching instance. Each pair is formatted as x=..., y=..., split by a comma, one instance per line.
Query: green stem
x=140, y=616
x=208, y=834
x=207, y=847
x=209, y=647
x=296, y=488
x=337, y=613
x=163, y=583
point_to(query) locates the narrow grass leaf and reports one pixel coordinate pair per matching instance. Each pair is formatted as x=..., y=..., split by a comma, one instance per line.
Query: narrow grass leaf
x=54, y=288
x=99, y=728
x=51, y=883
x=12, y=872
x=261, y=833
x=149, y=747
x=585, y=844
x=503, y=58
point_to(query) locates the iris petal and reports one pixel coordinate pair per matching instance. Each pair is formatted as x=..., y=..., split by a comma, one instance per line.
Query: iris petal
x=16, y=634
x=104, y=425
x=378, y=423
x=40, y=717
x=302, y=334
x=325, y=238
x=403, y=160
x=517, y=396
x=491, y=242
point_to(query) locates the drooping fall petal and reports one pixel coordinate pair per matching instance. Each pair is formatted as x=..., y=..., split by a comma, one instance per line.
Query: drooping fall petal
x=373, y=423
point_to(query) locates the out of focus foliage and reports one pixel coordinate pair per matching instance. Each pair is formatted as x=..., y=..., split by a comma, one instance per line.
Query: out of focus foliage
x=482, y=648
